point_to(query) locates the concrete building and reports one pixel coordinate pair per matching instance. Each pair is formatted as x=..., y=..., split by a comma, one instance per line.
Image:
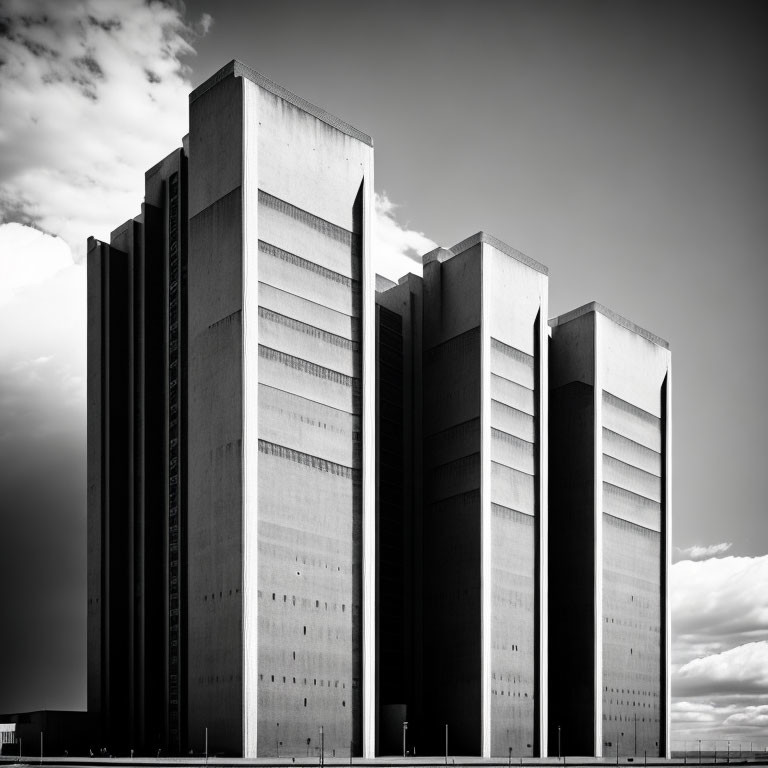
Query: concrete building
x=485, y=498
x=477, y=331
x=318, y=512
x=610, y=394
x=231, y=449
x=44, y=733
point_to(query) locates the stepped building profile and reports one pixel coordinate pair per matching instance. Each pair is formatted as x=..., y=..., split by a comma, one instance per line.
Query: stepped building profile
x=330, y=512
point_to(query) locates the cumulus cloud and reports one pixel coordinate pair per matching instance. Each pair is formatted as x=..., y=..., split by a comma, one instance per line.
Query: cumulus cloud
x=397, y=250
x=718, y=604
x=91, y=94
x=28, y=257
x=720, y=648
x=742, y=669
x=751, y=716
x=702, y=553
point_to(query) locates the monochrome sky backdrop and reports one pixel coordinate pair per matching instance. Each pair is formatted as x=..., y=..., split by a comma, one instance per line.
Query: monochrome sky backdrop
x=622, y=144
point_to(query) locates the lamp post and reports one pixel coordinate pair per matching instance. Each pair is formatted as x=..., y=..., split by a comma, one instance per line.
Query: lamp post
x=728, y=752
x=277, y=739
x=510, y=757
x=558, y=742
x=206, y=745
x=699, y=751
x=405, y=728
x=446, y=743
x=322, y=746
x=635, y=752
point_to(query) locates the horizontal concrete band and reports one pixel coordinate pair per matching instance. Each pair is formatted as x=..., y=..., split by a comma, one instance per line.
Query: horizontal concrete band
x=311, y=266
x=323, y=226
x=314, y=462
x=307, y=367
x=309, y=330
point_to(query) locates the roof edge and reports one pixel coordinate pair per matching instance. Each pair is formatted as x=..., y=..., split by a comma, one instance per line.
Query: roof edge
x=594, y=306
x=238, y=69
x=499, y=245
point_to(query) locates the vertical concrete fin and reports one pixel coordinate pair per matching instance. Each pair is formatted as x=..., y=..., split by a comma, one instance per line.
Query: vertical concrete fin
x=666, y=651
x=542, y=362
x=369, y=471
x=249, y=191
x=598, y=491
x=485, y=506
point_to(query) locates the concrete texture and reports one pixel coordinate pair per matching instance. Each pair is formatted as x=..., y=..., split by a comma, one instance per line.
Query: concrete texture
x=485, y=498
x=610, y=513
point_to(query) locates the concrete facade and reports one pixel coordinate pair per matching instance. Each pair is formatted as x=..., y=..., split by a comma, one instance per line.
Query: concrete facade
x=257, y=544
x=478, y=568
x=610, y=433
x=134, y=493
x=319, y=502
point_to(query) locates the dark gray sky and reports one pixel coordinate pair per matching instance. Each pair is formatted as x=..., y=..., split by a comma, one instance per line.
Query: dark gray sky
x=623, y=144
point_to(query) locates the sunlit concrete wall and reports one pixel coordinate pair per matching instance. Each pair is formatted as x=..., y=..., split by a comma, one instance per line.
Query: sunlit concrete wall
x=281, y=429
x=626, y=424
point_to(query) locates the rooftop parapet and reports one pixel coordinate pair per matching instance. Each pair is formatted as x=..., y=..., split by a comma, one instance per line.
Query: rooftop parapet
x=595, y=306
x=439, y=254
x=238, y=69
x=499, y=245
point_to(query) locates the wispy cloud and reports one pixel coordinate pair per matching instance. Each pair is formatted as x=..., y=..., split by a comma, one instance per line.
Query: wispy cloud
x=93, y=93
x=702, y=553
x=397, y=249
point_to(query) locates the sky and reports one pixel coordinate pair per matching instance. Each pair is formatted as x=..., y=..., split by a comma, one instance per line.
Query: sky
x=622, y=144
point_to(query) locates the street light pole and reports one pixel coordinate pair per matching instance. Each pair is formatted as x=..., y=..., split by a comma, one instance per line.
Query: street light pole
x=322, y=746
x=558, y=742
x=277, y=739
x=728, y=753
x=699, y=751
x=446, y=743
x=405, y=728
x=635, y=752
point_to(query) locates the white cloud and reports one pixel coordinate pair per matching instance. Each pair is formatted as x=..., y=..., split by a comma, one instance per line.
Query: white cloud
x=718, y=604
x=702, y=553
x=91, y=95
x=737, y=670
x=28, y=257
x=720, y=648
x=751, y=716
x=397, y=250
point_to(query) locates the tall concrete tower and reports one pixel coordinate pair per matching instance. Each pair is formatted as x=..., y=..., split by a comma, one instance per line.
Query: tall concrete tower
x=610, y=394
x=485, y=499
x=263, y=373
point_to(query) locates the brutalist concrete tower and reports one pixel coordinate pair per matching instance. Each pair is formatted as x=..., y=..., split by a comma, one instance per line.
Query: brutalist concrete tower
x=485, y=499
x=259, y=358
x=610, y=394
